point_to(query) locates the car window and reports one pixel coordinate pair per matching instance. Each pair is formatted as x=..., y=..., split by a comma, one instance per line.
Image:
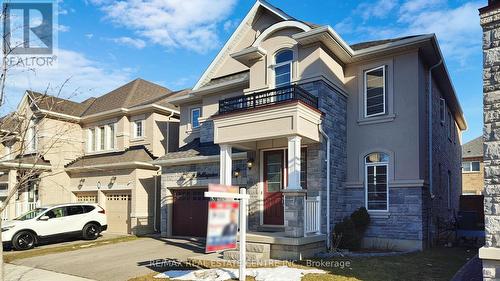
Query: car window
x=74, y=210
x=31, y=214
x=88, y=208
x=56, y=212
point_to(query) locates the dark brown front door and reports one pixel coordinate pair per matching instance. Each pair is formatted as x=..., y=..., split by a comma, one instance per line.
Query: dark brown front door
x=273, y=183
x=190, y=213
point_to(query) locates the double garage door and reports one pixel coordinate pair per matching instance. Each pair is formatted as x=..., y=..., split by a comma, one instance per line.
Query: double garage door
x=190, y=213
x=117, y=206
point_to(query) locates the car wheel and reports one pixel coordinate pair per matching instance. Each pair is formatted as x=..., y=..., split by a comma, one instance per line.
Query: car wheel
x=91, y=231
x=24, y=240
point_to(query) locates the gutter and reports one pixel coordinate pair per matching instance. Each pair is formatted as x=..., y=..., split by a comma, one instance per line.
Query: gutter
x=320, y=127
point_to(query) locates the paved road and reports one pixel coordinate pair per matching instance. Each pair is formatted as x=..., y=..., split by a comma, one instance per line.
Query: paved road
x=117, y=262
x=24, y=273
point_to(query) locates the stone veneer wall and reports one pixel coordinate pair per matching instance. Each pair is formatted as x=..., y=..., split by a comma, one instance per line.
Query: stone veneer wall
x=490, y=253
x=334, y=106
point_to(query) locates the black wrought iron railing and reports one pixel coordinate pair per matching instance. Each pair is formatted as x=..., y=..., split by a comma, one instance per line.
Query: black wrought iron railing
x=265, y=98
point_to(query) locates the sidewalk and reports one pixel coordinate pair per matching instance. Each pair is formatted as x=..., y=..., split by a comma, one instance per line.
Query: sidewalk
x=24, y=273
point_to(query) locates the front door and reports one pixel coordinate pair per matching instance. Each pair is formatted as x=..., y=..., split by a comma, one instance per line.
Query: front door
x=273, y=183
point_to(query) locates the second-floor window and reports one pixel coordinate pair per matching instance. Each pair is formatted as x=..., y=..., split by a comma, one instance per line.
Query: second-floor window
x=31, y=137
x=101, y=138
x=7, y=153
x=442, y=110
x=470, y=166
x=283, y=68
x=139, y=128
x=374, y=92
x=195, y=117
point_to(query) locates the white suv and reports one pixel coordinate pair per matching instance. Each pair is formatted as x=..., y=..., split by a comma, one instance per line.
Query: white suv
x=56, y=221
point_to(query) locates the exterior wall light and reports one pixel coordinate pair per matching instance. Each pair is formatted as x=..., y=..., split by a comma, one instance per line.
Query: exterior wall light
x=250, y=164
x=237, y=173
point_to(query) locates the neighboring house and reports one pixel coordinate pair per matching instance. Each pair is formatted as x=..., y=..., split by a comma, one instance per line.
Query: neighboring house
x=256, y=119
x=99, y=150
x=473, y=167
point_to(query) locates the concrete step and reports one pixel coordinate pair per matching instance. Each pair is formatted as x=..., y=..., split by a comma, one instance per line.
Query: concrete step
x=234, y=255
x=256, y=247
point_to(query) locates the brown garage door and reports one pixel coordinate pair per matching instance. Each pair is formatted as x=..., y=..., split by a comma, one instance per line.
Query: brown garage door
x=118, y=212
x=190, y=213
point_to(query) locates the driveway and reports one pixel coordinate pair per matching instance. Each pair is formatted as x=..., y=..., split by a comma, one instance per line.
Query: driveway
x=120, y=261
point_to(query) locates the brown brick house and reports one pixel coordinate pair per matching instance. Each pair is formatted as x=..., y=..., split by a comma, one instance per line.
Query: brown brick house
x=473, y=167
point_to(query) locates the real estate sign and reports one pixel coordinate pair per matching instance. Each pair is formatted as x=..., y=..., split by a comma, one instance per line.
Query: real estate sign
x=222, y=225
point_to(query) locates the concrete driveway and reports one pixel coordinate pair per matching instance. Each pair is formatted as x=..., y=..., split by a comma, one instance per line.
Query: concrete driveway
x=118, y=262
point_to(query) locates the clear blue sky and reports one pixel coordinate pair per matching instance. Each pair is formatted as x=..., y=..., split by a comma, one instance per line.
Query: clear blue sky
x=105, y=43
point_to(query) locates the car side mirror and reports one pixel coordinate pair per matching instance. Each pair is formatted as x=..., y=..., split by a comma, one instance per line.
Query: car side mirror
x=44, y=218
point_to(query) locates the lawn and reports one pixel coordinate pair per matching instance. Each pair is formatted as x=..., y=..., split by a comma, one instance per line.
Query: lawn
x=434, y=264
x=14, y=255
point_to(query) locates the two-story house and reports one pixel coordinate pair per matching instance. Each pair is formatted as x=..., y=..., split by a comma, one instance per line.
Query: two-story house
x=315, y=128
x=473, y=167
x=99, y=150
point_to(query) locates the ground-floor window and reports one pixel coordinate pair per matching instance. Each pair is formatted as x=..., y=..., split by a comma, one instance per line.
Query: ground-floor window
x=376, y=189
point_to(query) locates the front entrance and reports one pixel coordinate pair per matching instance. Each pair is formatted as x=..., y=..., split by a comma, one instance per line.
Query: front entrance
x=274, y=181
x=190, y=213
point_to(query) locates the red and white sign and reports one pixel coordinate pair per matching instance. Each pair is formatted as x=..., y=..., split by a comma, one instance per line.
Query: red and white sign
x=222, y=225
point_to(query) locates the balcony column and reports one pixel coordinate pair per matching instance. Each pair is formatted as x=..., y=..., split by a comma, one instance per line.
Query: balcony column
x=294, y=163
x=226, y=164
x=294, y=195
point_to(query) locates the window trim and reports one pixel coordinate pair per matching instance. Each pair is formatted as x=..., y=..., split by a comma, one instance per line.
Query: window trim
x=376, y=164
x=365, y=101
x=471, y=170
x=191, y=119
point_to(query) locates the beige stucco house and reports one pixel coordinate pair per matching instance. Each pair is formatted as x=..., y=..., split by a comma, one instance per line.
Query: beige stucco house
x=314, y=128
x=473, y=167
x=99, y=150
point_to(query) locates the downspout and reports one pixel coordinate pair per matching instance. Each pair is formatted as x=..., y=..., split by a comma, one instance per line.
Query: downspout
x=431, y=189
x=156, y=199
x=327, y=185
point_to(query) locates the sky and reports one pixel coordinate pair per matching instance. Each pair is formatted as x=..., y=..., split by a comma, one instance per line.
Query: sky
x=103, y=44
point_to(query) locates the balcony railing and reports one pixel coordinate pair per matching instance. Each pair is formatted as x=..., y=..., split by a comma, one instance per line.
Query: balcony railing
x=265, y=98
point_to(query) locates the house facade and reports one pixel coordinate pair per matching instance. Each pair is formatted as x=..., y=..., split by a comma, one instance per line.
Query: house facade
x=315, y=128
x=99, y=150
x=473, y=167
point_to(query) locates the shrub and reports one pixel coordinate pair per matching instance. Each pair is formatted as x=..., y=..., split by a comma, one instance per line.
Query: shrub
x=349, y=233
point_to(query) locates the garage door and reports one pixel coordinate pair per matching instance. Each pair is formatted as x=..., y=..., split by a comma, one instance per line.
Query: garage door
x=86, y=197
x=190, y=213
x=118, y=212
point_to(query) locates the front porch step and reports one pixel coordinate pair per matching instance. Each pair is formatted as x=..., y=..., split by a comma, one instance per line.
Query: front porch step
x=266, y=228
x=256, y=247
x=234, y=255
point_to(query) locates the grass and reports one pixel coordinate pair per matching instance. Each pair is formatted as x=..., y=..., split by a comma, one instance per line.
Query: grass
x=434, y=264
x=14, y=255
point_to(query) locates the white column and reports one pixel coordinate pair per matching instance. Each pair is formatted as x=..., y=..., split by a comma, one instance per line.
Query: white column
x=294, y=162
x=226, y=164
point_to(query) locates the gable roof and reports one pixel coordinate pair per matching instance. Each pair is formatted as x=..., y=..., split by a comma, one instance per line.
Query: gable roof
x=369, y=44
x=473, y=148
x=134, y=154
x=136, y=93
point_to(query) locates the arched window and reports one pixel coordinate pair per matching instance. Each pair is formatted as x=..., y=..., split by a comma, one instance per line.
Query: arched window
x=376, y=189
x=283, y=68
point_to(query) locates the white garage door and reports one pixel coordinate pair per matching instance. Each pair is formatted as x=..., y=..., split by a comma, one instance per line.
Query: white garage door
x=118, y=212
x=86, y=197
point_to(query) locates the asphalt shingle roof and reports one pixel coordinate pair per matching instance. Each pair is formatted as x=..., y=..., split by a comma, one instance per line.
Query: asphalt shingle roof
x=473, y=148
x=132, y=154
x=193, y=149
x=368, y=44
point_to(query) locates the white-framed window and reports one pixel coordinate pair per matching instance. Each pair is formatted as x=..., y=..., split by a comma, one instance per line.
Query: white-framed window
x=31, y=137
x=7, y=153
x=375, y=91
x=442, y=110
x=139, y=128
x=102, y=138
x=283, y=68
x=376, y=182
x=450, y=126
x=195, y=117
x=471, y=166
x=91, y=140
x=111, y=136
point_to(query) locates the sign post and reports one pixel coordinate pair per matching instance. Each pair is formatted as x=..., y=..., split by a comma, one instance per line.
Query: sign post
x=243, y=198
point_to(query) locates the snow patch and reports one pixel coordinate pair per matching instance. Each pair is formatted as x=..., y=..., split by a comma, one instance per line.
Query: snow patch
x=282, y=273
